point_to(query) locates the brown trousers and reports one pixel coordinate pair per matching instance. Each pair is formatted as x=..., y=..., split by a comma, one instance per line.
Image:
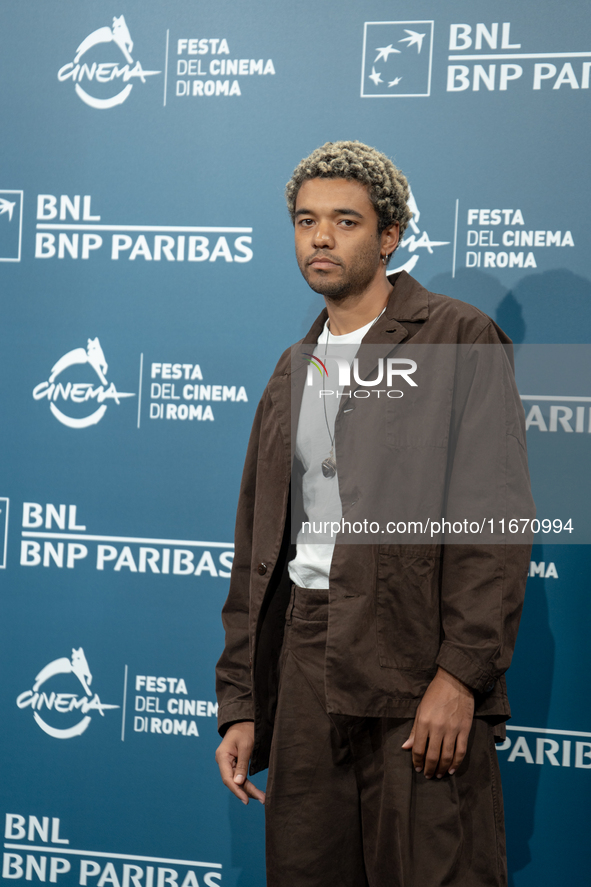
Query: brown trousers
x=345, y=807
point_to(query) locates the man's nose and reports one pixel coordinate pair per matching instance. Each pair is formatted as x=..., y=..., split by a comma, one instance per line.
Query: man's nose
x=323, y=237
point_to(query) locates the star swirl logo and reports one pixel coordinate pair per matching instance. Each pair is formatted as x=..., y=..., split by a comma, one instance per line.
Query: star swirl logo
x=397, y=58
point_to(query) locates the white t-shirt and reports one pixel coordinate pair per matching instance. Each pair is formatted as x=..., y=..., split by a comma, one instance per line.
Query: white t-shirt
x=311, y=566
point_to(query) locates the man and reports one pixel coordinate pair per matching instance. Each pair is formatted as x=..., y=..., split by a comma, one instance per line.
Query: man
x=369, y=677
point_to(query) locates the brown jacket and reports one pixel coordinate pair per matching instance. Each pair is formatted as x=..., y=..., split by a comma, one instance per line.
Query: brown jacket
x=396, y=612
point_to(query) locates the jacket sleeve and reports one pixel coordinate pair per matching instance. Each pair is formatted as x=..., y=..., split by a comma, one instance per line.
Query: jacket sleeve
x=483, y=583
x=233, y=671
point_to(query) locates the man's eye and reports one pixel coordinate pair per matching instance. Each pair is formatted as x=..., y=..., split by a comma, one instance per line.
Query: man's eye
x=347, y=223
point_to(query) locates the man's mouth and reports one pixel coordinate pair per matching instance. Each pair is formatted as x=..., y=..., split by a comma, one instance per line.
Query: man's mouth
x=322, y=262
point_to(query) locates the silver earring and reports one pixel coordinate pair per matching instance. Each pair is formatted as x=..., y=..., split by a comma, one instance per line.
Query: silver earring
x=385, y=259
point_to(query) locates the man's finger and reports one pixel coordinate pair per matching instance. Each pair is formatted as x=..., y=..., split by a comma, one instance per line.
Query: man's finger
x=241, y=768
x=254, y=792
x=447, y=753
x=410, y=741
x=418, y=747
x=433, y=754
x=460, y=752
x=226, y=765
x=226, y=761
x=233, y=755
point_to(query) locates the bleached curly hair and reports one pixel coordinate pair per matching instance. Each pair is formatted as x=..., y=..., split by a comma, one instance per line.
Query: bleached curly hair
x=387, y=186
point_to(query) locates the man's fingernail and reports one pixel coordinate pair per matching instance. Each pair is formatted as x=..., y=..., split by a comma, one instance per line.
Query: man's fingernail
x=239, y=778
x=451, y=772
x=245, y=802
x=439, y=775
x=418, y=769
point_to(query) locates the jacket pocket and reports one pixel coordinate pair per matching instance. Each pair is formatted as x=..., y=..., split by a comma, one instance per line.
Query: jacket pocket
x=421, y=417
x=408, y=609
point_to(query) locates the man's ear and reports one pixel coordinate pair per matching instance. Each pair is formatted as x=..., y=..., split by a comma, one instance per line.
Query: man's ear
x=390, y=238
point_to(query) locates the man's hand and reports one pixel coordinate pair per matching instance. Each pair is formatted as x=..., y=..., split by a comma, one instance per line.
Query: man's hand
x=232, y=756
x=439, y=737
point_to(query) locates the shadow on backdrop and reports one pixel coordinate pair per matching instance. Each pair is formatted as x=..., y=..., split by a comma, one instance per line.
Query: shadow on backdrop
x=529, y=683
x=471, y=285
x=548, y=307
x=509, y=316
x=552, y=306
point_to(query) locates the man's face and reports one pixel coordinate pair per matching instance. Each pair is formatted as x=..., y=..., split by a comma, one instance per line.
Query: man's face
x=338, y=247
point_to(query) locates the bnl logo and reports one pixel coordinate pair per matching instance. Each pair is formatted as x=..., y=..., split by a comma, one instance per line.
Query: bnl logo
x=397, y=58
x=11, y=225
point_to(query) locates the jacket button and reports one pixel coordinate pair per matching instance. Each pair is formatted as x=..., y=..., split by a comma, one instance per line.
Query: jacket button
x=262, y=569
x=489, y=687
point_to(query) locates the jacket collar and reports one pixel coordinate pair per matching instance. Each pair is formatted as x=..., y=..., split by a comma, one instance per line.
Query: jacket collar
x=408, y=301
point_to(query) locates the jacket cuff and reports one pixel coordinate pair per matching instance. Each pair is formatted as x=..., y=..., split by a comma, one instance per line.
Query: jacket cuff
x=463, y=667
x=232, y=713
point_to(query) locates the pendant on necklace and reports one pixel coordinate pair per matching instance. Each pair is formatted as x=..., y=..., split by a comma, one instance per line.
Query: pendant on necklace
x=329, y=466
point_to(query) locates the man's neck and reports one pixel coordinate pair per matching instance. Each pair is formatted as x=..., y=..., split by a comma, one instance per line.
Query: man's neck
x=356, y=311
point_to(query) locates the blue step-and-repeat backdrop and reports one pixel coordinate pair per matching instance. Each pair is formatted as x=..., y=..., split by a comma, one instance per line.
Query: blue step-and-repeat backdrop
x=148, y=287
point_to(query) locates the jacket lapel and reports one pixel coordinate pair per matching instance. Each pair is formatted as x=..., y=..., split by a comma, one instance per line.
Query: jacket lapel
x=408, y=301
